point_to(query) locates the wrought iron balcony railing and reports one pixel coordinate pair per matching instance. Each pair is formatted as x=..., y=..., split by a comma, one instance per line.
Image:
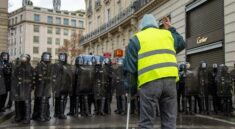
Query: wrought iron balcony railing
x=137, y=5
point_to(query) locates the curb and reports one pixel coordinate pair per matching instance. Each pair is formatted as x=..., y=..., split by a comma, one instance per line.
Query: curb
x=6, y=116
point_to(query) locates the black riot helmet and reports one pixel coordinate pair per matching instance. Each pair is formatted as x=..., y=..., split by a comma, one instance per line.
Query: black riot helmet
x=107, y=61
x=98, y=60
x=46, y=57
x=203, y=65
x=182, y=67
x=25, y=58
x=79, y=61
x=120, y=61
x=5, y=56
x=63, y=57
x=223, y=69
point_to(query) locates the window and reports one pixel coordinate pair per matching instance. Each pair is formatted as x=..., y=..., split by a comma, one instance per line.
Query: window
x=58, y=20
x=49, y=50
x=21, y=40
x=80, y=24
x=58, y=31
x=50, y=19
x=73, y=23
x=21, y=28
x=36, y=17
x=12, y=21
x=16, y=20
x=36, y=28
x=49, y=40
x=49, y=30
x=107, y=15
x=36, y=39
x=35, y=50
x=57, y=41
x=15, y=52
x=21, y=17
x=20, y=51
x=56, y=51
x=66, y=21
x=15, y=41
x=66, y=32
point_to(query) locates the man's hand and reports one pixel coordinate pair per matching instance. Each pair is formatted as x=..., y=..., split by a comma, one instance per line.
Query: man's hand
x=166, y=22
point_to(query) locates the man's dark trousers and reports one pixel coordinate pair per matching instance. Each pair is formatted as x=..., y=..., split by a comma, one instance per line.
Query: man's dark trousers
x=162, y=91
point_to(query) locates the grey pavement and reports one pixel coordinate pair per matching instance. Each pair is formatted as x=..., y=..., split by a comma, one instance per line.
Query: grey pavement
x=114, y=121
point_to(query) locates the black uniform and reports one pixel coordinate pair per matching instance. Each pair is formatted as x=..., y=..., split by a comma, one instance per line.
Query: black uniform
x=3, y=90
x=43, y=76
x=213, y=87
x=224, y=89
x=204, y=95
x=109, y=89
x=63, y=82
x=84, y=82
x=118, y=81
x=7, y=70
x=100, y=85
x=181, y=87
x=22, y=78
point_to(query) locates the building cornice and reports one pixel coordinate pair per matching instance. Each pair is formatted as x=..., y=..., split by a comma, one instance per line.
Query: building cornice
x=42, y=23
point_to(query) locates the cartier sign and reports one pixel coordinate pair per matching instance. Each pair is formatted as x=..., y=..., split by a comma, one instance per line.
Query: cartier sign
x=201, y=40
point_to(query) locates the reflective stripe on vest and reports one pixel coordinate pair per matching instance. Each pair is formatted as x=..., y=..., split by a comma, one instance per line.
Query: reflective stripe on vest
x=156, y=57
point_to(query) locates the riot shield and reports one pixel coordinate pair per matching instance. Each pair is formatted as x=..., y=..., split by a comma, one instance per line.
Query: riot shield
x=191, y=83
x=118, y=76
x=224, y=82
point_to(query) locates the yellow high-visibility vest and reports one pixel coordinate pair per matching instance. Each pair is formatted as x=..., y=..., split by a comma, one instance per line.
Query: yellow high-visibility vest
x=156, y=57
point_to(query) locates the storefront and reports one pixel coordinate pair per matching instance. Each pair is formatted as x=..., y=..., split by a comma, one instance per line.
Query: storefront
x=205, y=32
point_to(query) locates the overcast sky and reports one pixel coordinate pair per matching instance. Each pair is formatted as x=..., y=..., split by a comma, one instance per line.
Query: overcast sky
x=70, y=5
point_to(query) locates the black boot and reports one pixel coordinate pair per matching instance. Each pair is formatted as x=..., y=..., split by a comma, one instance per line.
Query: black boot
x=18, y=117
x=47, y=115
x=27, y=110
x=35, y=108
x=102, y=104
x=72, y=106
x=57, y=104
x=87, y=112
x=124, y=106
x=42, y=110
x=77, y=106
x=62, y=108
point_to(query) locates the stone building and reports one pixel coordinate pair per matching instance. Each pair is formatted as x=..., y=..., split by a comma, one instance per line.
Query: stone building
x=3, y=24
x=208, y=26
x=34, y=30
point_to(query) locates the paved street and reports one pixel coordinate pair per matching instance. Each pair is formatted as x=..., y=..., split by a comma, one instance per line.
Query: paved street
x=118, y=122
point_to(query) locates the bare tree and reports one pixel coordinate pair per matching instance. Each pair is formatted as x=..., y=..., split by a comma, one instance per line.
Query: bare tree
x=72, y=46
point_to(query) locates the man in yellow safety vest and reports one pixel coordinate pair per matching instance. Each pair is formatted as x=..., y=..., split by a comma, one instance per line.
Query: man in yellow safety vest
x=151, y=67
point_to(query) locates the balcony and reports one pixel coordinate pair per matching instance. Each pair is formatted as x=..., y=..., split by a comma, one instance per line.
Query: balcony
x=125, y=15
x=89, y=11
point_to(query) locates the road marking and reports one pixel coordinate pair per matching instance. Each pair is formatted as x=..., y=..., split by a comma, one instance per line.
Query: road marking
x=217, y=119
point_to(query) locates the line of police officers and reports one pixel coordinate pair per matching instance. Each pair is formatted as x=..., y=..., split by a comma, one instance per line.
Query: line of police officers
x=91, y=82
x=205, y=89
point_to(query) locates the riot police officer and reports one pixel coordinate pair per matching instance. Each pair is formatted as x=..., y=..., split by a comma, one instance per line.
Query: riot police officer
x=118, y=82
x=109, y=89
x=224, y=88
x=213, y=87
x=7, y=70
x=232, y=74
x=43, y=76
x=3, y=90
x=181, y=86
x=84, y=82
x=101, y=83
x=204, y=96
x=21, y=89
x=62, y=75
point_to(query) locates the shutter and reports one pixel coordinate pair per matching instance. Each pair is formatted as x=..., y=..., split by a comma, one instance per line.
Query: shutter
x=205, y=18
x=210, y=57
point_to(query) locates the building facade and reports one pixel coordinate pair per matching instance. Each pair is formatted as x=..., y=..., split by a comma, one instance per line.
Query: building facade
x=3, y=25
x=34, y=30
x=208, y=26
